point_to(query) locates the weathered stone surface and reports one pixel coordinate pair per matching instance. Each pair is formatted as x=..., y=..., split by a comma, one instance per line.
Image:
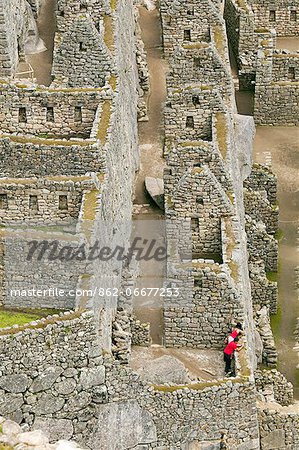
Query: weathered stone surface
x=92, y=377
x=10, y=403
x=46, y=379
x=79, y=401
x=66, y=387
x=12, y=436
x=121, y=426
x=10, y=428
x=244, y=132
x=34, y=438
x=15, y=383
x=273, y=440
x=166, y=369
x=54, y=429
x=48, y=404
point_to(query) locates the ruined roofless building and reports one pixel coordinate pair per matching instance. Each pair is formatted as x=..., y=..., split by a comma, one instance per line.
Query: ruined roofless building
x=68, y=158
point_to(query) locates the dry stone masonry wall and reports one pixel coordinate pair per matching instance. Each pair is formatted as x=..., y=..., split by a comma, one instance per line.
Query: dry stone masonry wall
x=69, y=374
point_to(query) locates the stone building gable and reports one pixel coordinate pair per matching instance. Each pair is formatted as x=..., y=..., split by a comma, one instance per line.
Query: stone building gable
x=82, y=58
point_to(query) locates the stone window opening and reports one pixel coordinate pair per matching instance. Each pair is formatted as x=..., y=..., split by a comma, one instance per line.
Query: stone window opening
x=291, y=73
x=272, y=15
x=197, y=164
x=190, y=11
x=82, y=47
x=61, y=13
x=50, y=114
x=195, y=100
x=199, y=200
x=198, y=283
x=3, y=201
x=62, y=202
x=196, y=62
x=78, y=114
x=22, y=115
x=190, y=122
x=33, y=203
x=293, y=15
x=168, y=20
x=187, y=35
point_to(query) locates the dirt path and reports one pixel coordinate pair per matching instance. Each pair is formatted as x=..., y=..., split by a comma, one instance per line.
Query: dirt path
x=151, y=133
x=151, y=138
x=280, y=145
x=42, y=62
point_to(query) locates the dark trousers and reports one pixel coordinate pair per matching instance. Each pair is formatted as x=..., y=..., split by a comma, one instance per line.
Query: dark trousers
x=228, y=362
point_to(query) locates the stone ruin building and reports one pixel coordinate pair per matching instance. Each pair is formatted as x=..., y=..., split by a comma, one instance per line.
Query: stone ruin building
x=68, y=160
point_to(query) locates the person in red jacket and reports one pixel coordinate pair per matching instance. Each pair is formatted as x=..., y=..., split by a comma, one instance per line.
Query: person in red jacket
x=237, y=331
x=229, y=352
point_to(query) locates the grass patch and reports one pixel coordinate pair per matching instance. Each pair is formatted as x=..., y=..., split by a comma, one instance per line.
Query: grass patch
x=41, y=325
x=231, y=197
x=8, y=318
x=109, y=32
x=243, y=4
x=231, y=245
x=275, y=321
x=113, y=4
x=219, y=38
x=104, y=122
x=272, y=276
x=90, y=205
x=262, y=30
x=43, y=141
x=113, y=82
x=221, y=129
x=198, y=386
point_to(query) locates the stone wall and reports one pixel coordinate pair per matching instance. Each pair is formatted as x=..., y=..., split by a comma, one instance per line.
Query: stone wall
x=281, y=15
x=42, y=201
x=66, y=388
x=274, y=386
x=20, y=157
x=56, y=384
x=188, y=113
x=264, y=292
x=200, y=197
x=58, y=113
x=183, y=24
x=205, y=324
x=263, y=325
x=277, y=88
x=198, y=63
x=140, y=333
x=262, y=178
x=261, y=245
x=259, y=208
x=68, y=11
x=39, y=271
x=278, y=427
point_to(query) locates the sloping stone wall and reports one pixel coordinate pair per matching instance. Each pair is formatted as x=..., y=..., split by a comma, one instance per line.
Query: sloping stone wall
x=83, y=58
